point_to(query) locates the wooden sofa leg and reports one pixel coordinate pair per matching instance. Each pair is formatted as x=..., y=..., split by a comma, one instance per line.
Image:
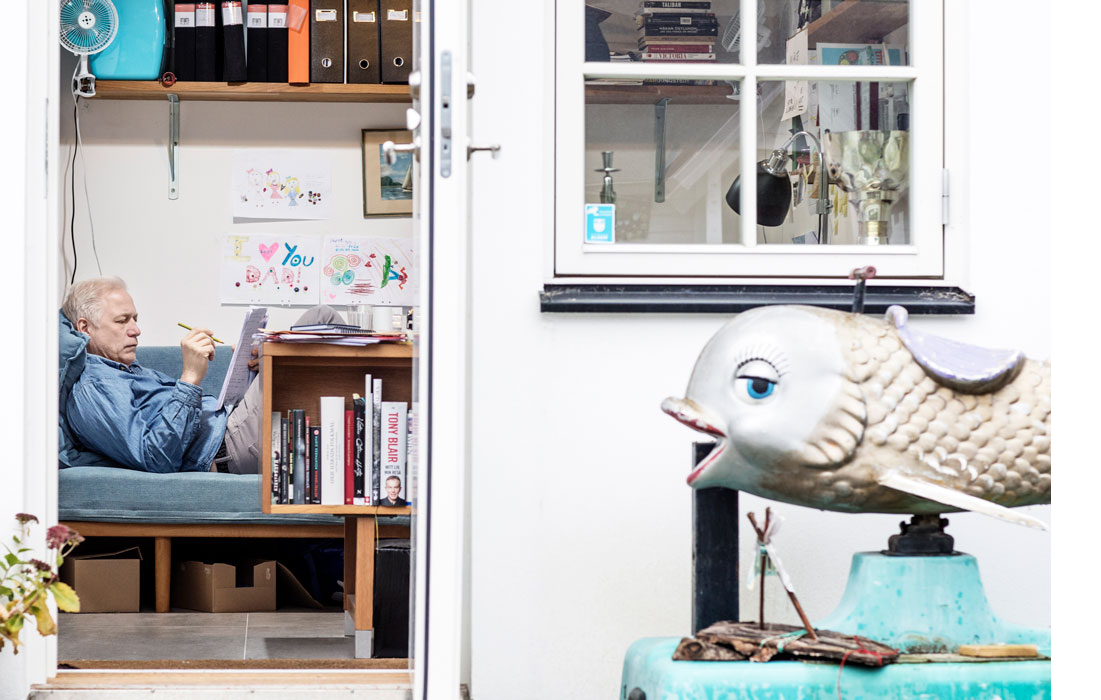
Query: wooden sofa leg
x=162, y=561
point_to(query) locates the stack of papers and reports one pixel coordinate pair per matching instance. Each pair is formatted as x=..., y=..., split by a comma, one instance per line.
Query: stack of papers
x=334, y=337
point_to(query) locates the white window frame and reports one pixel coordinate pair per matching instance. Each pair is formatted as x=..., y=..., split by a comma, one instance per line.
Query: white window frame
x=923, y=259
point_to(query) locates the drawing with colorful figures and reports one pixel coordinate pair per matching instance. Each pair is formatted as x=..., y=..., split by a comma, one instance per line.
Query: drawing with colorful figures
x=270, y=269
x=281, y=184
x=369, y=270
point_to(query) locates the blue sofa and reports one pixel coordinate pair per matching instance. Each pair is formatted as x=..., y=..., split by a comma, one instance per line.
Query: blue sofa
x=120, y=502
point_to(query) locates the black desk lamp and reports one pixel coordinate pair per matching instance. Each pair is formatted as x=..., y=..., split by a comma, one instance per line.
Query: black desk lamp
x=774, y=189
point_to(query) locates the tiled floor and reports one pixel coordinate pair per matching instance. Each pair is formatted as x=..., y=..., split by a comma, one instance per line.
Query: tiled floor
x=193, y=635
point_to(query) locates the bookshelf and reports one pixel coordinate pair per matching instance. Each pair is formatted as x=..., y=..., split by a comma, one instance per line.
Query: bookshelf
x=251, y=92
x=296, y=375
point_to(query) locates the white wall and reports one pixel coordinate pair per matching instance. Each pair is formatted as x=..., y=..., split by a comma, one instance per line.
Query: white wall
x=581, y=517
x=168, y=250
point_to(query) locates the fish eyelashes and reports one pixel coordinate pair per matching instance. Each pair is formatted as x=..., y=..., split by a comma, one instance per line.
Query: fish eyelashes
x=755, y=380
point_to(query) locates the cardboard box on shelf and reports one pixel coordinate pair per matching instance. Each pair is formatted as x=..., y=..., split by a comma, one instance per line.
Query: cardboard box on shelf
x=108, y=582
x=216, y=587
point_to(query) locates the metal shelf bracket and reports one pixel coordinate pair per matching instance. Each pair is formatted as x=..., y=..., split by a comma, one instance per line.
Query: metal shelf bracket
x=659, y=149
x=174, y=146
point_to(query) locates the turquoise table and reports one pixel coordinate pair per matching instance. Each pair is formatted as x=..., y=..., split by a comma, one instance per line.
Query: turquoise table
x=649, y=673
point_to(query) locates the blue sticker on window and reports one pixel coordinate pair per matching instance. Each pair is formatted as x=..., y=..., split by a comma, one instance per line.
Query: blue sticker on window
x=600, y=223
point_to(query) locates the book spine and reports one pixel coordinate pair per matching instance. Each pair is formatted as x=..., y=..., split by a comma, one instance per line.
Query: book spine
x=694, y=11
x=284, y=465
x=668, y=5
x=359, y=406
x=315, y=451
x=307, y=462
x=676, y=48
x=332, y=450
x=368, y=440
x=682, y=18
x=299, y=456
x=680, y=57
x=395, y=431
x=349, y=457
x=670, y=30
x=276, y=453
x=411, y=455
x=376, y=428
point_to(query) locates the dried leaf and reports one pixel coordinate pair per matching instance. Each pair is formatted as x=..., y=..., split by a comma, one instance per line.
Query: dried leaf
x=65, y=596
x=46, y=624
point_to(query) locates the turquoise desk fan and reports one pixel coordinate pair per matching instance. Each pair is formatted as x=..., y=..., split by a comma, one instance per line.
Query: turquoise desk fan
x=87, y=27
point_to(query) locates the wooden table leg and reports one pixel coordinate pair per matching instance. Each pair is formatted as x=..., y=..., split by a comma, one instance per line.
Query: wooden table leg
x=364, y=586
x=162, y=563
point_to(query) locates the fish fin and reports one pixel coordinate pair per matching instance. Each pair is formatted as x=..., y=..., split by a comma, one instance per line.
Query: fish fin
x=957, y=499
x=969, y=369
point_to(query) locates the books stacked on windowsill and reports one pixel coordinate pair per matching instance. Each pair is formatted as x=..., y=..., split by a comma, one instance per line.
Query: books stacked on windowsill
x=671, y=31
x=355, y=452
x=330, y=333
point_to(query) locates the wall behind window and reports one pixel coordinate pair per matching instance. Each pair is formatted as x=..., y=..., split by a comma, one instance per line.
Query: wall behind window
x=168, y=250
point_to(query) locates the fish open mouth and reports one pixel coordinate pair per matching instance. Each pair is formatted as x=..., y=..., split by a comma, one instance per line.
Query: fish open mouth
x=689, y=413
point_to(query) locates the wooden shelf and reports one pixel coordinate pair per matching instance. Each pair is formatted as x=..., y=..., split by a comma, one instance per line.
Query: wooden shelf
x=859, y=22
x=596, y=93
x=295, y=375
x=251, y=92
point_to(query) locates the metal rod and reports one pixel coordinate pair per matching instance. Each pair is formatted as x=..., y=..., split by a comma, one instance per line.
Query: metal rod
x=659, y=149
x=174, y=146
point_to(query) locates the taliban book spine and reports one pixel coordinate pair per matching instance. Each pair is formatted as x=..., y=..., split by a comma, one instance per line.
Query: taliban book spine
x=395, y=431
x=276, y=454
x=376, y=428
x=349, y=456
x=675, y=6
x=332, y=450
x=315, y=462
x=359, y=409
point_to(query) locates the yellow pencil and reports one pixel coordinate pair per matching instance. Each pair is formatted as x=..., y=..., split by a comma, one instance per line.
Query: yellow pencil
x=184, y=325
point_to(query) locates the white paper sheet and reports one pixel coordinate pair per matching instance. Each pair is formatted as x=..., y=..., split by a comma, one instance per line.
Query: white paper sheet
x=270, y=269
x=796, y=91
x=369, y=270
x=281, y=184
x=238, y=376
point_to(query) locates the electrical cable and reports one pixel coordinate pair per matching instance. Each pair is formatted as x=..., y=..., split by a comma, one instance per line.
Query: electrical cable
x=72, y=201
x=79, y=149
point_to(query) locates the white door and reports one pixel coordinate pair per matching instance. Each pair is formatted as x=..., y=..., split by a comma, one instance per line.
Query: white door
x=440, y=91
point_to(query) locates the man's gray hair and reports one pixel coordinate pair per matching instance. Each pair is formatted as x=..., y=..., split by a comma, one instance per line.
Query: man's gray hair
x=85, y=298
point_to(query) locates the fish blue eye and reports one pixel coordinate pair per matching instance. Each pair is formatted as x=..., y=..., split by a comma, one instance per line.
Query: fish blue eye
x=759, y=388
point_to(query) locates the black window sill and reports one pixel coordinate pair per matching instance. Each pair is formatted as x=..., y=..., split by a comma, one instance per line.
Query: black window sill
x=714, y=299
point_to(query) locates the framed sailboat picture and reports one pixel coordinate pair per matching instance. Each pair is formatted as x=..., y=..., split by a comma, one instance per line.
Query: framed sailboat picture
x=387, y=189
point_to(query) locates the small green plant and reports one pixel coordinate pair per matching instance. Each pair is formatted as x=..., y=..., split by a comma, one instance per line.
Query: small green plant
x=25, y=582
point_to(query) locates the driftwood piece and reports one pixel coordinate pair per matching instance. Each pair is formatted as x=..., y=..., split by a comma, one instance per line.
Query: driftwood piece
x=735, y=641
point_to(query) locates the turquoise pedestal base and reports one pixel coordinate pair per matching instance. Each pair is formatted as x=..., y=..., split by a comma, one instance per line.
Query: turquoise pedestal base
x=650, y=673
x=923, y=605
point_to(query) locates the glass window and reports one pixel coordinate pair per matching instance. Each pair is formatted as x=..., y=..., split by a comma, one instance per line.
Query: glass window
x=656, y=108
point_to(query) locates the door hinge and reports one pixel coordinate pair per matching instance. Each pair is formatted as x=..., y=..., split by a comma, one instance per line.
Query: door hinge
x=944, y=196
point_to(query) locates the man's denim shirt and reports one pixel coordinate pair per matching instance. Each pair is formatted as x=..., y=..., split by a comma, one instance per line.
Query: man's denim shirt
x=143, y=419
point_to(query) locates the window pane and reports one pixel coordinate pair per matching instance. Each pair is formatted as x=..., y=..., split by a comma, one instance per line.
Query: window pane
x=864, y=131
x=850, y=32
x=662, y=31
x=670, y=152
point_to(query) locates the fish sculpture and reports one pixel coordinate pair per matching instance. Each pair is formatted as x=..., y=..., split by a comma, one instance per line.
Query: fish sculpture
x=843, y=412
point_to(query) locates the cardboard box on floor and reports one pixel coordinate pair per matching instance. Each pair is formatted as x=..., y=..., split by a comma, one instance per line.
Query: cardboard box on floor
x=248, y=587
x=107, y=582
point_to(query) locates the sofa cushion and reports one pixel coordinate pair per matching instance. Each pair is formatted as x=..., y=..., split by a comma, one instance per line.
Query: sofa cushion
x=108, y=494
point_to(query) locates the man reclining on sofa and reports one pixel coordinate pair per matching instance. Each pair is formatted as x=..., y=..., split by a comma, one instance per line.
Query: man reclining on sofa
x=120, y=413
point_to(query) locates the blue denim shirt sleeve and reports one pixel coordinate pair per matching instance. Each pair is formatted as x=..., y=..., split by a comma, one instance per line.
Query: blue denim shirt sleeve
x=102, y=416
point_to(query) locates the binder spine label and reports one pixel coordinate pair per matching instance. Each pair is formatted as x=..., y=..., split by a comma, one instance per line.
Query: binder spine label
x=397, y=15
x=232, y=13
x=325, y=16
x=204, y=14
x=277, y=16
x=185, y=16
x=363, y=16
x=258, y=18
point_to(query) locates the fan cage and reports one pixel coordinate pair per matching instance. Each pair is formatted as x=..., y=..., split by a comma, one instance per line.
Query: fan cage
x=79, y=39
